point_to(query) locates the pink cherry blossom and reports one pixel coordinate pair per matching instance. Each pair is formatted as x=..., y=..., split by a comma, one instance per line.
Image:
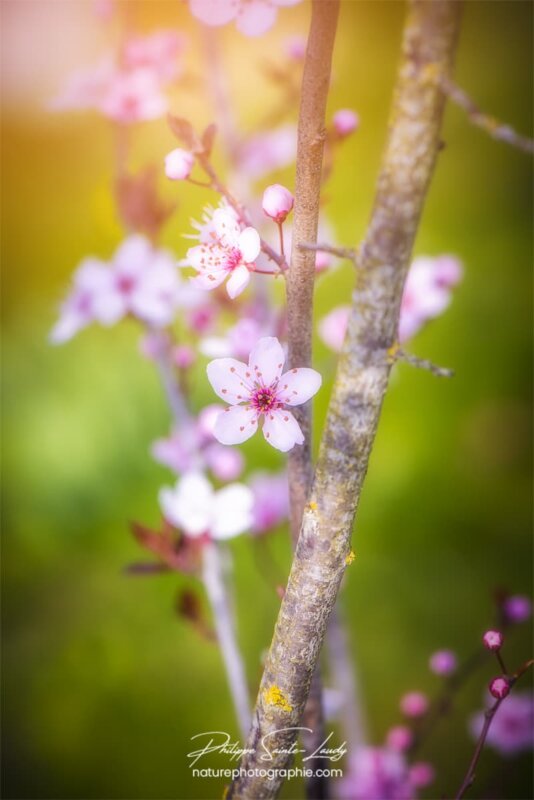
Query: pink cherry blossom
x=269, y=151
x=443, y=662
x=238, y=341
x=192, y=446
x=277, y=202
x=271, y=500
x=231, y=254
x=179, y=164
x=499, y=687
x=421, y=774
x=158, y=51
x=517, y=608
x=91, y=279
x=134, y=96
x=196, y=509
x=414, y=704
x=258, y=390
x=252, y=17
x=427, y=292
x=333, y=327
x=399, y=738
x=512, y=729
x=345, y=122
x=376, y=773
x=493, y=640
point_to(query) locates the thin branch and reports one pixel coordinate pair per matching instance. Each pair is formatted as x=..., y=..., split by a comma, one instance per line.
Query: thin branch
x=324, y=542
x=212, y=576
x=423, y=363
x=300, y=285
x=494, y=127
x=341, y=252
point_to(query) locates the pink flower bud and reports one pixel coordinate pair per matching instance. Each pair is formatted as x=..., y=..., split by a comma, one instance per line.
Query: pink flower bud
x=399, y=738
x=178, y=164
x=414, y=704
x=443, y=662
x=345, y=122
x=421, y=774
x=183, y=356
x=493, y=640
x=277, y=202
x=499, y=687
x=517, y=608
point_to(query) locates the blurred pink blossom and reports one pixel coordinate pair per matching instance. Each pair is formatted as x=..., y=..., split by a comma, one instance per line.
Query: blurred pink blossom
x=421, y=774
x=252, y=17
x=270, y=151
x=345, y=121
x=333, y=327
x=196, y=509
x=414, y=704
x=179, y=164
x=158, y=51
x=512, y=728
x=427, y=292
x=517, y=608
x=376, y=773
x=443, y=662
x=258, y=390
x=271, y=500
x=399, y=738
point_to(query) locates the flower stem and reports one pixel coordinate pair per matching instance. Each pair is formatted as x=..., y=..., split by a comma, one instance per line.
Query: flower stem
x=212, y=576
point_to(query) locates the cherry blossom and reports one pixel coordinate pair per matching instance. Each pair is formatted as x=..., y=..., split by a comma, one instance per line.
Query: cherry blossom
x=277, y=202
x=230, y=253
x=178, y=164
x=271, y=500
x=376, y=773
x=133, y=96
x=333, y=327
x=493, y=640
x=194, y=507
x=192, y=447
x=80, y=309
x=260, y=391
x=517, y=608
x=252, y=17
x=268, y=151
x=345, y=122
x=399, y=738
x=499, y=687
x=512, y=729
x=157, y=51
x=443, y=662
x=414, y=704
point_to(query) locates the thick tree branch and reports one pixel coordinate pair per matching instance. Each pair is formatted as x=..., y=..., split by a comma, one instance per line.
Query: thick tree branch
x=300, y=283
x=324, y=543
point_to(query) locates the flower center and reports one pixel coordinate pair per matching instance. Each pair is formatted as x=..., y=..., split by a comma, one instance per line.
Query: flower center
x=264, y=399
x=233, y=258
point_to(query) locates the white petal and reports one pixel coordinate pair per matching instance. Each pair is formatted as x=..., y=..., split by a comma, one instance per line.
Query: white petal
x=208, y=280
x=109, y=306
x=226, y=227
x=67, y=326
x=206, y=258
x=235, y=425
x=213, y=12
x=232, y=513
x=266, y=360
x=255, y=18
x=282, y=430
x=238, y=281
x=230, y=379
x=298, y=385
x=249, y=244
x=133, y=256
x=189, y=505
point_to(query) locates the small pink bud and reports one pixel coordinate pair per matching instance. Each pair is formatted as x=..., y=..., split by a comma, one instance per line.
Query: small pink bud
x=399, y=738
x=295, y=47
x=443, y=662
x=183, y=356
x=421, y=774
x=414, y=704
x=493, y=640
x=517, y=608
x=277, y=202
x=499, y=687
x=345, y=121
x=179, y=164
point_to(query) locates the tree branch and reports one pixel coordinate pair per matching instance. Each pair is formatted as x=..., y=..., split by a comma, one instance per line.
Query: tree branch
x=324, y=543
x=300, y=284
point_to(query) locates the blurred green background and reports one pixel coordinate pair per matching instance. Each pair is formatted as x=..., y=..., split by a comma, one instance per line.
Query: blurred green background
x=103, y=683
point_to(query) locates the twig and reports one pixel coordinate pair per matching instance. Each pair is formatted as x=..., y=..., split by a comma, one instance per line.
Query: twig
x=341, y=252
x=212, y=576
x=423, y=363
x=496, y=129
x=324, y=542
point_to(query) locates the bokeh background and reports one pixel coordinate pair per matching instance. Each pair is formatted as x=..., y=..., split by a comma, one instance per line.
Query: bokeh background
x=103, y=683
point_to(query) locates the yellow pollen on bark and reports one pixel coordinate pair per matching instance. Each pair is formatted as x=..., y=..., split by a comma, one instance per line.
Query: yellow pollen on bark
x=393, y=351
x=350, y=558
x=275, y=697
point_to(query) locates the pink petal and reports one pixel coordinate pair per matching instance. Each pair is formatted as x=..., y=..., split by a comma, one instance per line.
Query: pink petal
x=133, y=256
x=226, y=227
x=267, y=360
x=255, y=17
x=235, y=424
x=298, y=385
x=249, y=244
x=282, y=430
x=214, y=12
x=238, y=281
x=206, y=257
x=230, y=379
x=208, y=280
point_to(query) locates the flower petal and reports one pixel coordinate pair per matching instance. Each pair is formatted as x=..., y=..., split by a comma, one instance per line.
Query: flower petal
x=213, y=12
x=206, y=258
x=232, y=512
x=282, y=430
x=255, y=18
x=235, y=425
x=230, y=379
x=190, y=504
x=238, y=281
x=267, y=360
x=249, y=244
x=208, y=280
x=298, y=385
x=226, y=228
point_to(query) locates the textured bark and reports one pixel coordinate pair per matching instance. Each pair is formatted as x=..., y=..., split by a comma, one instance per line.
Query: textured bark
x=300, y=283
x=324, y=544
